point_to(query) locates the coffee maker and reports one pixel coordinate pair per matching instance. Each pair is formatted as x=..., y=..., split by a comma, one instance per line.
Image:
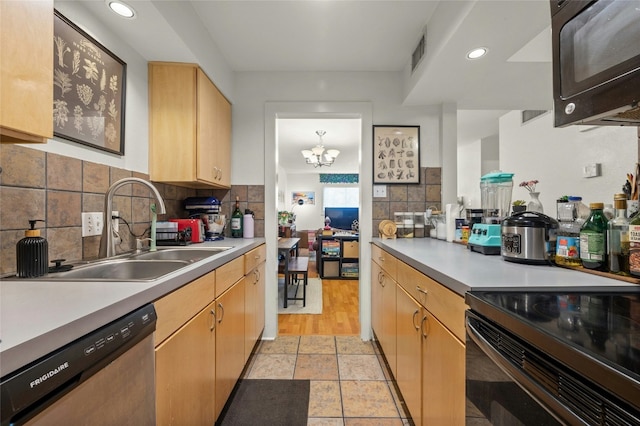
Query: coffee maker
x=495, y=196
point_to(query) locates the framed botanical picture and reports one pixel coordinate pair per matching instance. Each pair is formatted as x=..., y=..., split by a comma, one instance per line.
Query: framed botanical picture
x=396, y=154
x=88, y=89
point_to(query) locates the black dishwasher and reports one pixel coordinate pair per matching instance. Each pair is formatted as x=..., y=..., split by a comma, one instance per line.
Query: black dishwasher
x=92, y=378
x=542, y=358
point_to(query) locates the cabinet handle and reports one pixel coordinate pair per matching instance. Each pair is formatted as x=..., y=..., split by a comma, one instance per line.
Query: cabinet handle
x=213, y=320
x=257, y=274
x=222, y=309
x=219, y=175
x=424, y=321
x=381, y=278
x=381, y=259
x=413, y=320
x=419, y=290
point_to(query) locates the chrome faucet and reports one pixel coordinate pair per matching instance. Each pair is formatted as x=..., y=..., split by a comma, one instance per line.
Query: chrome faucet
x=107, y=243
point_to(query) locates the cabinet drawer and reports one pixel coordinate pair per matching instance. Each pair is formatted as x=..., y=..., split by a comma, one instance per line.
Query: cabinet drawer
x=385, y=260
x=350, y=249
x=175, y=309
x=228, y=274
x=254, y=258
x=447, y=306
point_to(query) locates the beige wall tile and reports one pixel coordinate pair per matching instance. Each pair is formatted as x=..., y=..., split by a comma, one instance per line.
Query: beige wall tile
x=64, y=173
x=8, y=241
x=19, y=205
x=64, y=208
x=22, y=166
x=116, y=174
x=141, y=210
x=397, y=192
x=95, y=177
x=433, y=176
x=63, y=243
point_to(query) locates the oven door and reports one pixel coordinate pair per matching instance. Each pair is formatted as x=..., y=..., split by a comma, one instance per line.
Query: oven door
x=495, y=394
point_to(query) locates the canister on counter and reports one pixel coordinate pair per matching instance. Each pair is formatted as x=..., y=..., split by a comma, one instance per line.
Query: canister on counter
x=465, y=233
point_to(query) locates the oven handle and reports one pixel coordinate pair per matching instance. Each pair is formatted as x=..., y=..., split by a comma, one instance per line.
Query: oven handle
x=526, y=382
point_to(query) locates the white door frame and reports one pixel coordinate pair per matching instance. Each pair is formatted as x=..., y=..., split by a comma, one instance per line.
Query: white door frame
x=273, y=111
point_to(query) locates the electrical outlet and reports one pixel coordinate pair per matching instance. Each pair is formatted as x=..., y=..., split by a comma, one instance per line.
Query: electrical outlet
x=91, y=224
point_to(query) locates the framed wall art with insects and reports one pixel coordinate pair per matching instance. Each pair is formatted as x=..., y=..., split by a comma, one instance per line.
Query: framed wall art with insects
x=396, y=154
x=88, y=89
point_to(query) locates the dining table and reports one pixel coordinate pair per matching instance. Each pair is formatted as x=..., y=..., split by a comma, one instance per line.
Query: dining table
x=287, y=248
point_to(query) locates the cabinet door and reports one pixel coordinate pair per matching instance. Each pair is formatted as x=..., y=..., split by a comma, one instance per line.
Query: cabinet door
x=384, y=317
x=409, y=343
x=185, y=373
x=229, y=342
x=443, y=374
x=206, y=129
x=26, y=74
x=222, y=123
x=254, y=283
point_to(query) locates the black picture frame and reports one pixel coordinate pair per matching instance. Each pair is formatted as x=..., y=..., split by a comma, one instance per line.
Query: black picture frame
x=396, y=154
x=89, y=88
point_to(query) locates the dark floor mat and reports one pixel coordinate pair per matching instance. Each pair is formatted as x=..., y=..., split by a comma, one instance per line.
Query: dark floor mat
x=267, y=403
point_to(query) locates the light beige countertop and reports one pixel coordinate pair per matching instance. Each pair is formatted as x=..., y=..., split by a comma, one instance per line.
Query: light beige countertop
x=39, y=316
x=462, y=270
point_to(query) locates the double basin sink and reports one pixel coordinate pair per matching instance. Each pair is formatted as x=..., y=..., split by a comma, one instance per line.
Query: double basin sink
x=145, y=266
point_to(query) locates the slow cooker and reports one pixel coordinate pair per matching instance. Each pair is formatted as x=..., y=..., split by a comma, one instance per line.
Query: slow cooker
x=529, y=237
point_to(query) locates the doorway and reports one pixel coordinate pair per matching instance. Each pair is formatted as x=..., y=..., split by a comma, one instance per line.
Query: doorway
x=273, y=169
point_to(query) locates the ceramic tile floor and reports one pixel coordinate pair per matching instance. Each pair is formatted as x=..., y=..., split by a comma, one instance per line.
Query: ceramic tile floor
x=350, y=384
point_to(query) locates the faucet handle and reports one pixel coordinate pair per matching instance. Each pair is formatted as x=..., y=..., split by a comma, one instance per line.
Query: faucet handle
x=139, y=242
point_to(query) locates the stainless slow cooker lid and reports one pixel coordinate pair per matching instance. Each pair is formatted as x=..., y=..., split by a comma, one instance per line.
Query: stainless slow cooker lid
x=529, y=219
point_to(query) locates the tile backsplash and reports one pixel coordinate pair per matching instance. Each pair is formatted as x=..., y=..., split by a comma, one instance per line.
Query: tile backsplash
x=57, y=189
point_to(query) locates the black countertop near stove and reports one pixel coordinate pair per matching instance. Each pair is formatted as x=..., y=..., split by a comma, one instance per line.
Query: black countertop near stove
x=604, y=326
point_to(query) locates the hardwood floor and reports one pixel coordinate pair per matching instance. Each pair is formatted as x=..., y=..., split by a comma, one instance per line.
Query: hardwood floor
x=340, y=316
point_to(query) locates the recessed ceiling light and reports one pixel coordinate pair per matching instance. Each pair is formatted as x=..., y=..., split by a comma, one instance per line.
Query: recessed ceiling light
x=477, y=53
x=121, y=9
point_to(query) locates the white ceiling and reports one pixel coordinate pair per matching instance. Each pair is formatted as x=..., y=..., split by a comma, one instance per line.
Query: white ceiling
x=366, y=35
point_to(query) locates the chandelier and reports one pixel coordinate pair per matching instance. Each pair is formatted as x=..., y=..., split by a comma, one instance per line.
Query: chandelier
x=317, y=155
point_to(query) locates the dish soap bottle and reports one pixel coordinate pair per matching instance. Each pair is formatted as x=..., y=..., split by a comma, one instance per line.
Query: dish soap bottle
x=236, y=221
x=593, y=242
x=32, y=253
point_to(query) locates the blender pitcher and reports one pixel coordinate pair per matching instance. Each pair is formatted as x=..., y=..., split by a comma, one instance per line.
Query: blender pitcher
x=495, y=195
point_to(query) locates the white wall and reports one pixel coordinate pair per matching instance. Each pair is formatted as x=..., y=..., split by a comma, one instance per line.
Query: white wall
x=382, y=89
x=556, y=156
x=136, y=137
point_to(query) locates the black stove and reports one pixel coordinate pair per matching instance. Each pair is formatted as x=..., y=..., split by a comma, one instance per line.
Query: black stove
x=566, y=345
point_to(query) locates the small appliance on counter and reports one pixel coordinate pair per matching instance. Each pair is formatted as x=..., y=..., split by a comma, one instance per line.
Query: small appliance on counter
x=207, y=209
x=495, y=196
x=195, y=226
x=529, y=237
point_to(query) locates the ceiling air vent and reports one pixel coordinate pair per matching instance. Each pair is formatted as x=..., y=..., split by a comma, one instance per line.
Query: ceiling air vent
x=530, y=114
x=418, y=52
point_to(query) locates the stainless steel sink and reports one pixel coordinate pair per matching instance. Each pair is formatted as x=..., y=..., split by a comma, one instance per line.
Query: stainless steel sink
x=186, y=254
x=119, y=270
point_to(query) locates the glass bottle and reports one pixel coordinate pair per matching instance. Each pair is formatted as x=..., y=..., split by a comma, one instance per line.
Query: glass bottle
x=236, y=221
x=593, y=241
x=618, y=237
x=634, y=246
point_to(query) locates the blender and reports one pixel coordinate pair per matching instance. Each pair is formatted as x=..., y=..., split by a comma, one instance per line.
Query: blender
x=495, y=196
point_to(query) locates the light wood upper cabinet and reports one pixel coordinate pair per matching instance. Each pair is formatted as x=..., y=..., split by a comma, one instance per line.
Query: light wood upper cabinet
x=189, y=128
x=26, y=71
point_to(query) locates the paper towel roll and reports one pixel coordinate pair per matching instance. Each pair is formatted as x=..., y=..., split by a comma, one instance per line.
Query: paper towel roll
x=247, y=229
x=451, y=211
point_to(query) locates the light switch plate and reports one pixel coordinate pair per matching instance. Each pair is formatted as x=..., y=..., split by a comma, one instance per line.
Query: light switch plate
x=380, y=191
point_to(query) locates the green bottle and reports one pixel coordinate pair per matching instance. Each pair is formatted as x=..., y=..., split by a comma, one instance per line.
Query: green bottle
x=236, y=221
x=593, y=239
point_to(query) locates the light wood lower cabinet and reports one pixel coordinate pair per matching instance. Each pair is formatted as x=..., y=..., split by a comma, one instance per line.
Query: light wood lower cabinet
x=185, y=373
x=409, y=349
x=204, y=335
x=420, y=330
x=443, y=375
x=383, y=312
x=230, y=342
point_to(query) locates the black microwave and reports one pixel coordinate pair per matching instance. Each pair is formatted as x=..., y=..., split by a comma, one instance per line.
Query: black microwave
x=596, y=62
